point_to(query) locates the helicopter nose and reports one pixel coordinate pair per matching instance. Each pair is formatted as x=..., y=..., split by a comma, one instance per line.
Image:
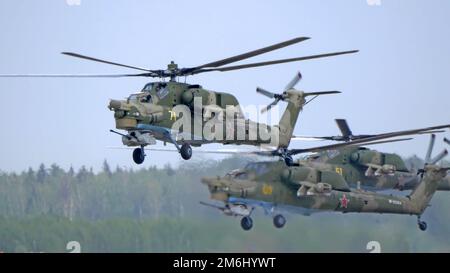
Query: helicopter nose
x=209, y=180
x=215, y=182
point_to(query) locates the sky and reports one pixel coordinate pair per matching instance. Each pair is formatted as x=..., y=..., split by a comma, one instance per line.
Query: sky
x=399, y=79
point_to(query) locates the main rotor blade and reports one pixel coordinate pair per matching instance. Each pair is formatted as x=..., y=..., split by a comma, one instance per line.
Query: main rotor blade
x=104, y=61
x=388, y=141
x=367, y=140
x=252, y=53
x=294, y=81
x=310, y=138
x=76, y=75
x=343, y=127
x=277, y=153
x=432, y=132
x=243, y=66
x=264, y=92
x=336, y=138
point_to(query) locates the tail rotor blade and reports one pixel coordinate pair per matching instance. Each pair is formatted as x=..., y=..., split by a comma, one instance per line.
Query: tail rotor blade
x=438, y=157
x=446, y=140
x=319, y=93
x=294, y=81
x=430, y=148
x=268, y=107
x=265, y=92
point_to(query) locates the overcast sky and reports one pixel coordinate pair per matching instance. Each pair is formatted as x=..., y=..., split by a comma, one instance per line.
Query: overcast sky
x=399, y=80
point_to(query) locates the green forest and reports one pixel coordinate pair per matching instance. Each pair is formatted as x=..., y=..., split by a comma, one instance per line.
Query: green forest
x=157, y=210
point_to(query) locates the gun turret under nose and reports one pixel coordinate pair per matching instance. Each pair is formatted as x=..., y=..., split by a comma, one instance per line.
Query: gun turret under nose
x=114, y=104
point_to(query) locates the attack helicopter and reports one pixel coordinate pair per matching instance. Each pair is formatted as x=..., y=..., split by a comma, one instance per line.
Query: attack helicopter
x=374, y=170
x=306, y=190
x=168, y=110
x=302, y=188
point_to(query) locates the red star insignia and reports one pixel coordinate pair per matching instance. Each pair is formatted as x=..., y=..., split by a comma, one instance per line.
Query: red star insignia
x=344, y=201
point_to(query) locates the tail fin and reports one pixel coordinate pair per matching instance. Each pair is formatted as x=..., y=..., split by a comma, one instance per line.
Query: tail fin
x=296, y=101
x=424, y=191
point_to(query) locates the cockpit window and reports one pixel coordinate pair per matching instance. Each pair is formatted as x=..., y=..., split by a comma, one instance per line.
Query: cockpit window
x=148, y=87
x=241, y=176
x=258, y=168
x=237, y=174
x=133, y=97
x=162, y=91
x=332, y=153
x=323, y=156
x=314, y=157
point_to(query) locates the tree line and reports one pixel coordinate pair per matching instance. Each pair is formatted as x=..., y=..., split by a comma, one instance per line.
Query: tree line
x=157, y=209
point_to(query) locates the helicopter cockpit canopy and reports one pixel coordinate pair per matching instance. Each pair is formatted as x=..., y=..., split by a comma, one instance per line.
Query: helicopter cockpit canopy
x=140, y=98
x=133, y=98
x=323, y=156
x=259, y=168
x=237, y=174
x=148, y=87
x=160, y=88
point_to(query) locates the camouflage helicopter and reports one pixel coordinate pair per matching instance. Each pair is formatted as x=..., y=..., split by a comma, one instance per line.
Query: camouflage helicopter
x=155, y=112
x=306, y=190
x=373, y=170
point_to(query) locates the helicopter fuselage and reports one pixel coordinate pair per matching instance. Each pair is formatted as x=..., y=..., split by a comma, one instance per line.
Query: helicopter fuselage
x=194, y=114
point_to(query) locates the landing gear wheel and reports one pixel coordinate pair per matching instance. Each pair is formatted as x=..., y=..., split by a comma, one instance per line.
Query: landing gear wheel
x=279, y=221
x=186, y=151
x=246, y=223
x=422, y=225
x=138, y=155
x=288, y=160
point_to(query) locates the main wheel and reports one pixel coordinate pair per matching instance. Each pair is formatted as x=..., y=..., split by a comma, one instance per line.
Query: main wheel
x=279, y=221
x=289, y=161
x=246, y=223
x=422, y=226
x=186, y=151
x=138, y=155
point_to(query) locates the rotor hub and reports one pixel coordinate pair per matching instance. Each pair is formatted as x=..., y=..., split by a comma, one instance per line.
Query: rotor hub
x=172, y=66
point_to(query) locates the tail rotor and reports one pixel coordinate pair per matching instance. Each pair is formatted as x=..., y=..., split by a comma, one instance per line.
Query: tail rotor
x=285, y=95
x=433, y=160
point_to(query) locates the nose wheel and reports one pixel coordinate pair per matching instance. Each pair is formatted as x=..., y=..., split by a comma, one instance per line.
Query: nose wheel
x=139, y=155
x=422, y=225
x=279, y=221
x=246, y=223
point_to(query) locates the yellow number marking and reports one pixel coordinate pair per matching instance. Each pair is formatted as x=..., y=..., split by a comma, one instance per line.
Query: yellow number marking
x=339, y=170
x=173, y=115
x=267, y=189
